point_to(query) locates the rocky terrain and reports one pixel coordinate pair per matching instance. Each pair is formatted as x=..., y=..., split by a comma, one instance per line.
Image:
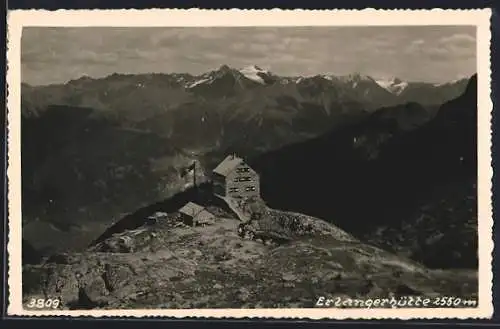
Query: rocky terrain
x=166, y=264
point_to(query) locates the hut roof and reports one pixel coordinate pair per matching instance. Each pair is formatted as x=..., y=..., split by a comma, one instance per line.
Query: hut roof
x=228, y=165
x=191, y=209
x=205, y=217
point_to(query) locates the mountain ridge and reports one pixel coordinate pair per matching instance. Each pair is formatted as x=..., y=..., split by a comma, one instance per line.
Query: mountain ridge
x=257, y=69
x=143, y=99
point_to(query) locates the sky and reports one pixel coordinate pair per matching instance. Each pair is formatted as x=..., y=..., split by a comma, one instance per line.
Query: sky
x=413, y=53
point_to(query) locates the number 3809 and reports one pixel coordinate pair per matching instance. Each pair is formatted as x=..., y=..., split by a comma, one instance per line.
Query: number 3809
x=44, y=303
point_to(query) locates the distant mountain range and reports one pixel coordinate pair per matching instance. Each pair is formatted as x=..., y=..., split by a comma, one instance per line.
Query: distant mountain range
x=174, y=89
x=95, y=150
x=221, y=104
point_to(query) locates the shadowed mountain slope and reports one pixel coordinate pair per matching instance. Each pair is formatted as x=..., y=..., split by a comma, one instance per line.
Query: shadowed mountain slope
x=394, y=172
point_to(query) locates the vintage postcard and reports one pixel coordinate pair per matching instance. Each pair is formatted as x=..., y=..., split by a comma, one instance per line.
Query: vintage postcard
x=262, y=164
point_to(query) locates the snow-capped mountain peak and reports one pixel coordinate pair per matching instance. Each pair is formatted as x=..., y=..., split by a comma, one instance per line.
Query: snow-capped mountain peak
x=394, y=85
x=210, y=77
x=255, y=73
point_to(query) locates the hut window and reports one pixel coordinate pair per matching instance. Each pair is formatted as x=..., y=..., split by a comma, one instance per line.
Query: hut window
x=243, y=179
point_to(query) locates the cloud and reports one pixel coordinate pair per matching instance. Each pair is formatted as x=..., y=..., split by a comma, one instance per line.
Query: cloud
x=459, y=39
x=414, y=53
x=449, y=48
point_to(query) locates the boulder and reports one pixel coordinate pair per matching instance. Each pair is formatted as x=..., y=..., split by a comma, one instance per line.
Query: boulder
x=243, y=294
x=289, y=277
x=115, y=276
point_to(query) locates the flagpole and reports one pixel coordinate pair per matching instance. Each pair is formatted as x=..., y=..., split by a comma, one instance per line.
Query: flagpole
x=194, y=174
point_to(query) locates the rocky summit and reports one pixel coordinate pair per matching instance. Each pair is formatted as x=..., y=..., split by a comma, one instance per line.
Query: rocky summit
x=276, y=259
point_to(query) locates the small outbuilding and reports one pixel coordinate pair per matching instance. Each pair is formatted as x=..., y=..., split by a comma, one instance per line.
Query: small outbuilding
x=156, y=217
x=193, y=214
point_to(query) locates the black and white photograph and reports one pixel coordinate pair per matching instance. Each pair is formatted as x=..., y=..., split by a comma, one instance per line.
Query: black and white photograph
x=249, y=167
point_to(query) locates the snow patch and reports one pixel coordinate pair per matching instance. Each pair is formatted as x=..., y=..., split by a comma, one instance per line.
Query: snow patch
x=311, y=76
x=400, y=87
x=252, y=73
x=386, y=84
x=206, y=80
x=394, y=86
